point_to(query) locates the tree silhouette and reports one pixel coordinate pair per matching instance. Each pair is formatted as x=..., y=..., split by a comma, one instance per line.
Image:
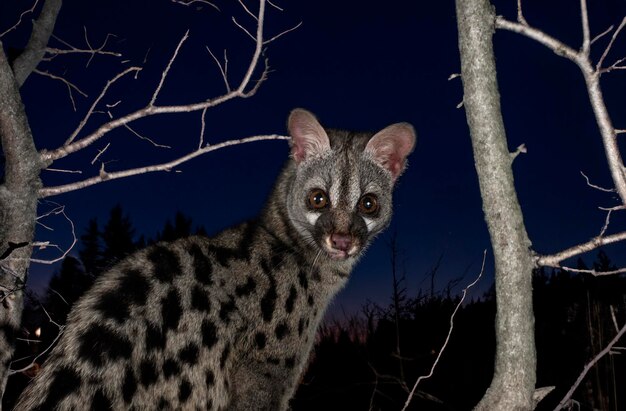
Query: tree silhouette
x=91, y=251
x=117, y=235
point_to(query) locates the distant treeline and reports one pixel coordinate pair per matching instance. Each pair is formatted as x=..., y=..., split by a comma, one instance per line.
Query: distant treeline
x=371, y=360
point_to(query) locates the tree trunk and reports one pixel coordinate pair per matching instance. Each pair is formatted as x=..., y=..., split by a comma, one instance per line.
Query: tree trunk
x=18, y=210
x=514, y=377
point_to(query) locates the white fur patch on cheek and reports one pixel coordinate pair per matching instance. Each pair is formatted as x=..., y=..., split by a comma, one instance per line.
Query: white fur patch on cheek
x=369, y=223
x=312, y=218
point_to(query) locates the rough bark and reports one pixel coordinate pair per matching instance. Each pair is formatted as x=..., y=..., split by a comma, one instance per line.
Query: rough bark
x=26, y=62
x=18, y=210
x=514, y=377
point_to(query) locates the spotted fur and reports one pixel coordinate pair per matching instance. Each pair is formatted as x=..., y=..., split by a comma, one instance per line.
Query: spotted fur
x=228, y=322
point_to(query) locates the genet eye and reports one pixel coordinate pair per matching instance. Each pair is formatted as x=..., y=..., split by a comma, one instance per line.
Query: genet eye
x=318, y=199
x=368, y=204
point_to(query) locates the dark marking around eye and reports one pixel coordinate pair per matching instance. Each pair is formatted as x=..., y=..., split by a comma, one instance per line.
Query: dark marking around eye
x=200, y=299
x=100, y=341
x=129, y=386
x=184, y=390
x=209, y=333
x=291, y=299
x=202, y=267
x=273, y=360
x=171, y=310
x=165, y=263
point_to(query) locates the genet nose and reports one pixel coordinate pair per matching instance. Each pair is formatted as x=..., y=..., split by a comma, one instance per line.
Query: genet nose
x=342, y=242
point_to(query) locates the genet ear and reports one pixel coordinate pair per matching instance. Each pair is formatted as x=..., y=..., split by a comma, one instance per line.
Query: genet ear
x=308, y=137
x=390, y=147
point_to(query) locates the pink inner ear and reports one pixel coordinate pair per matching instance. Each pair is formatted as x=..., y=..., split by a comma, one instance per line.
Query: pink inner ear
x=308, y=137
x=391, y=146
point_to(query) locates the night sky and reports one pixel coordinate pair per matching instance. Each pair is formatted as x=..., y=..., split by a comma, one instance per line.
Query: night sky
x=357, y=65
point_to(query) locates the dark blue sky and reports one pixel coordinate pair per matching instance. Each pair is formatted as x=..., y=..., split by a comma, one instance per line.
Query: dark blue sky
x=357, y=65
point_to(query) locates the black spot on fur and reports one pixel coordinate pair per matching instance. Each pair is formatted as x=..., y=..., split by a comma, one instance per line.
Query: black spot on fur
x=165, y=263
x=163, y=404
x=260, y=339
x=304, y=282
x=129, y=386
x=224, y=356
x=224, y=255
x=245, y=289
x=290, y=362
x=226, y=308
x=310, y=301
x=155, y=338
x=170, y=368
x=99, y=342
x=202, y=266
x=273, y=360
x=115, y=304
x=291, y=299
x=200, y=299
x=171, y=310
x=300, y=326
x=281, y=330
x=64, y=382
x=209, y=333
x=101, y=402
x=267, y=374
x=316, y=275
x=209, y=378
x=147, y=373
x=189, y=354
x=184, y=390
x=110, y=306
x=268, y=302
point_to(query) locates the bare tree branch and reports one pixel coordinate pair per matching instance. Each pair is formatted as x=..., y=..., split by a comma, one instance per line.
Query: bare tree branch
x=566, y=399
x=19, y=21
x=70, y=86
x=36, y=47
x=105, y=176
x=555, y=259
x=608, y=48
x=242, y=91
x=445, y=343
x=592, y=79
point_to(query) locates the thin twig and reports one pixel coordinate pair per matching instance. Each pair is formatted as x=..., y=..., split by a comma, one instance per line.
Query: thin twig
x=105, y=176
x=566, y=399
x=443, y=347
x=19, y=21
x=608, y=48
